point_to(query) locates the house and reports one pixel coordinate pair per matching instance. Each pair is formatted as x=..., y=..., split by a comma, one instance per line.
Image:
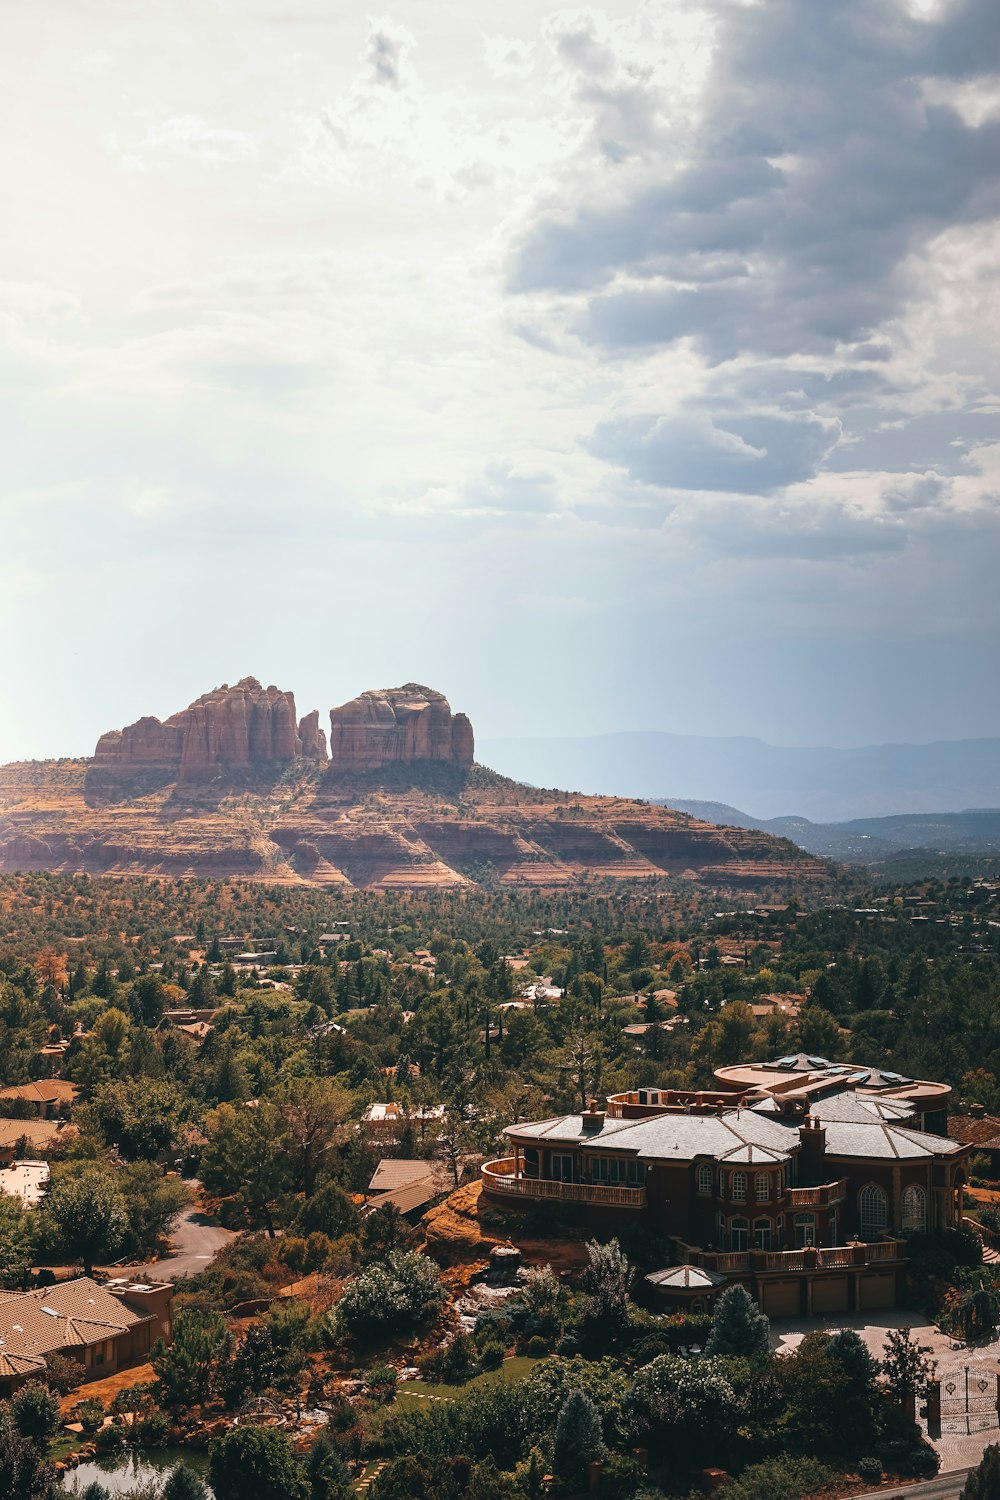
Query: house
x=979, y=1130
x=102, y=1327
x=384, y=1122
x=47, y=1098
x=37, y=1136
x=25, y=1180
x=804, y=1191
x=407, y=1184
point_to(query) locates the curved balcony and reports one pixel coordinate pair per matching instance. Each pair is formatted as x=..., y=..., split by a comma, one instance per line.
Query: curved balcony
x=504, y=1180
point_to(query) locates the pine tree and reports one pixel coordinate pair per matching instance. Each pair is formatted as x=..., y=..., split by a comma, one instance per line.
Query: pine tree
x=738, y=1326
x=984, y=1483
x=578, y=1437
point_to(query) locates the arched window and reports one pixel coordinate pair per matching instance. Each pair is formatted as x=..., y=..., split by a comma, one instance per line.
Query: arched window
x=739, y=1187
x=762, y=1187
x=914, y=1210
x=762, y=1234
x=805, y=1230
x=739, y=1234
x=873, y=1211
x=705, y=1175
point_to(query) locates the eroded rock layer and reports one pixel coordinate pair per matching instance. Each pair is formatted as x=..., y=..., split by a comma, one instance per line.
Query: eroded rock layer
x=411, y=723
x=230, y=729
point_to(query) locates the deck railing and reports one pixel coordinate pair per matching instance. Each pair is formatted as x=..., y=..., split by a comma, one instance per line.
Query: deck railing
x=809, y=1197
x=503, y=1178
x=808, y=1258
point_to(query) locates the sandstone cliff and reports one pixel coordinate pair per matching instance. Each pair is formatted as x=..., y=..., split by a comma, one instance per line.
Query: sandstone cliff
x=411, y=723
x=230, y=729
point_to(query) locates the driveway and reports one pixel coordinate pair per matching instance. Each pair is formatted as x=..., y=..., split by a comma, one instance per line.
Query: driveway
x=957, y=1447
x=195, y=1242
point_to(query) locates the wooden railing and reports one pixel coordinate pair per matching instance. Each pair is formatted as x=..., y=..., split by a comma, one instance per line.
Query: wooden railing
x=820, y=1258
x=808, y=1197
x=501, y=1177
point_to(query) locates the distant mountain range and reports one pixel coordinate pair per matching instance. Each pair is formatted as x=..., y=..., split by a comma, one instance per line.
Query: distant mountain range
x=821, y=784
x=975, y=831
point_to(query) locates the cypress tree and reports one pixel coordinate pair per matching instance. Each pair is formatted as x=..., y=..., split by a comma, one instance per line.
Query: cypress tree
x=738, y=1326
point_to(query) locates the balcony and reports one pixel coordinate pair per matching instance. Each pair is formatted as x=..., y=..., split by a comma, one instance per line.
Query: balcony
x=504, y=1180
x=817, y=1197
x=778, y=1262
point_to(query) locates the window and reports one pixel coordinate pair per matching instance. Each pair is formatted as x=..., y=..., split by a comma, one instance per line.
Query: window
x=762, y=1187
x=562, y=1167
x=805, y=1230
x=762, y=1234
x=739, y=1234
x=914, y=1210
x=720, y=1229
x=873, y=1211
x=739, y=1187
x=722, y=1183
x=635, y=1174
x=705, y=1179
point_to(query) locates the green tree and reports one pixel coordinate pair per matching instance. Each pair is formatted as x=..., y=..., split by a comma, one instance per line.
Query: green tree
x=578, y=1439
x=391, y=1296
x=24, y=1474
x=153, y=1204
x=36, y=1413
x=906, y=1365
x=84, y=1217
x=17, y=1241
x=185, y=1369
x=244, y=1159
x=738, y=1326
x=606, y=1281
x=255, y=1463
x=312, y=1112
x=983, y=1482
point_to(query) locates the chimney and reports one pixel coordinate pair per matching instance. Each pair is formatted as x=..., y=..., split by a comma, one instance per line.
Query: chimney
x=977, y=1111
x=593, y=1118
x=812, y=1152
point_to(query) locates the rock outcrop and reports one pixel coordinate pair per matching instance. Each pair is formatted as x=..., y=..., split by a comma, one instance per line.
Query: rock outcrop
x=230, y=729
x=410, y=723
x=312, y=738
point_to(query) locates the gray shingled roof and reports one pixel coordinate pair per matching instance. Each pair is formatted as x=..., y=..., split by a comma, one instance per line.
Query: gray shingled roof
x=738, y=1135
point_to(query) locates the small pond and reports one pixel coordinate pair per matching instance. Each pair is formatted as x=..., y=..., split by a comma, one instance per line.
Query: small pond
x=124, y=1470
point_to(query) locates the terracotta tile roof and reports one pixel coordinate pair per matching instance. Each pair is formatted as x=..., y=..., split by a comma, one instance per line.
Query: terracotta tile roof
x=39, y=1133
x=70, y=1314
x=971, y=1130
x=42, y=1091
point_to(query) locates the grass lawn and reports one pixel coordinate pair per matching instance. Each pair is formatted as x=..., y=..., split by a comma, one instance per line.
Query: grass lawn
x=415, y=1393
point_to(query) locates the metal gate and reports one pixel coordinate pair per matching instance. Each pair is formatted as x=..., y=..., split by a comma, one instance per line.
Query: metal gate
x=969, y=1400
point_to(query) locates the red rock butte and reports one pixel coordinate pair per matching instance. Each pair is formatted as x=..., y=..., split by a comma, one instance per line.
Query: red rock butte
x=237, y=786
x=249, y=726
x=410, y=723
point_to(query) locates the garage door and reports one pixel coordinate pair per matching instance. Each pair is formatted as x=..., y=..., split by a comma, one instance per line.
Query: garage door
x=878, y=1289
x=829, y=1294
x=781, y=1299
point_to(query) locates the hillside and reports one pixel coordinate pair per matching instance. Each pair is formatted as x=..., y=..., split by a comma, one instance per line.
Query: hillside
x=975, y=831
x=401, y=807
x=822, y=783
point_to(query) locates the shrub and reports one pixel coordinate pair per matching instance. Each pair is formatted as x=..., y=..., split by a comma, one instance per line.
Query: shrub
x=62, y=1375
x=184, y=1484
x=109, y=1439
x=256, y=1462
x=36, y=1413
x=491, y=1355
x=537, y=1347
x=870, y=1470
x=458, y=1360
x=783, y=1478
x=90, y=1414
x=381, y=1381
x=390, y=1297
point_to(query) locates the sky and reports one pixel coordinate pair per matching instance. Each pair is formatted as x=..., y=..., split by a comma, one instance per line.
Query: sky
x=628, y=367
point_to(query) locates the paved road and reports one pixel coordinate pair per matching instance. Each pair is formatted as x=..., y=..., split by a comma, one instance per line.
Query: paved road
x=196, y=1240
x=943, y=1487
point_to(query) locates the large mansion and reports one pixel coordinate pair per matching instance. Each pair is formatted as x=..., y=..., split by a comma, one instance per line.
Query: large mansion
x=800, y=1178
